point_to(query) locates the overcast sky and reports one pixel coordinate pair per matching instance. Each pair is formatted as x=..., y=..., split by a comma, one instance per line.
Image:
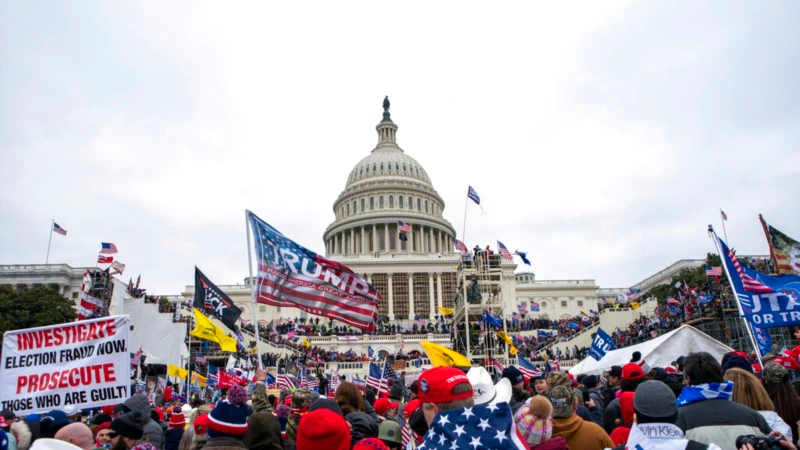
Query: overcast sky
x=603, y=139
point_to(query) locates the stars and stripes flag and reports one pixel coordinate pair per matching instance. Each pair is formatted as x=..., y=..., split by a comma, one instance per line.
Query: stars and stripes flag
x=497, y=366
x=136, y=358
x=59, y=230
x=284, y=381
x=724, y=216
x=528, y=368
x=105, y=259
x=108, y=248
x=90, y=306
x=748, y=283
x=460, y=246
x=313, y=383
x=376, y=380
x=290, y=275
x=403, y=227
x=715, y=271
x=200, y=359
x=556, y=363
x=405, y=432
x=673, y=301
x=475, y=427
x=504, y=251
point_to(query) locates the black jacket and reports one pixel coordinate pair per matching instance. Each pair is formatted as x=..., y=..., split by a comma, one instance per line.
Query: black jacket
x=364, y=426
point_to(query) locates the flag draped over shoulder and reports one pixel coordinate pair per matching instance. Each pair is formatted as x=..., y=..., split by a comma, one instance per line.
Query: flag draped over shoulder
x=209, y=298
x=205, y=329
x=785, y=251
x=292, y=276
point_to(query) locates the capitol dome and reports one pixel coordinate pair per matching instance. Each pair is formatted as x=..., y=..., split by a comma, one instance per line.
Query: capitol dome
x=385, y=187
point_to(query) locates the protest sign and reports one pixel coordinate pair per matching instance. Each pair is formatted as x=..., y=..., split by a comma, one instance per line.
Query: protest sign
x=83, y=364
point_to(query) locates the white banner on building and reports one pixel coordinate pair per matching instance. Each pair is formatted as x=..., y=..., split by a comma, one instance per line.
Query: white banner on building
x=83, y=364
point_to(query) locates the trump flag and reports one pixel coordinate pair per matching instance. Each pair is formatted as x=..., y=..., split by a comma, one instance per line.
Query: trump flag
x=292, y=276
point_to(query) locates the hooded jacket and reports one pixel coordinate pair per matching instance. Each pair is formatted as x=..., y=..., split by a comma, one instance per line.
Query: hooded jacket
x=364, y=426
x=263, y=432
x=152, y=430
x=581, y=434
x=719, y=421
x=666, y=436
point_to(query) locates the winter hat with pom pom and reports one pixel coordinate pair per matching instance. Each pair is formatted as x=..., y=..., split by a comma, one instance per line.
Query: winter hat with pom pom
x=229, y=417
x=177, y=419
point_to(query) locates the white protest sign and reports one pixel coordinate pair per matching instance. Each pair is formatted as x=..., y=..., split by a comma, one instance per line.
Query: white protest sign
x=83, y=364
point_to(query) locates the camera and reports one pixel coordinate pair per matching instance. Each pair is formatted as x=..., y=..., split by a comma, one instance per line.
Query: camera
x=759, y=442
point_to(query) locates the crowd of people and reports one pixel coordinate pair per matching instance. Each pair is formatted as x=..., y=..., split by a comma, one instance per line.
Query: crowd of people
x=697, y=402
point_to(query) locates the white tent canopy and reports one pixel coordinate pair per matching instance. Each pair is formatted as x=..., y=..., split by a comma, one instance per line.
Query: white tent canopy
x=658, y=352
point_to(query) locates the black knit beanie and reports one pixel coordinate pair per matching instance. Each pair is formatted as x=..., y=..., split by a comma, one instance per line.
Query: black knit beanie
x=129, y=425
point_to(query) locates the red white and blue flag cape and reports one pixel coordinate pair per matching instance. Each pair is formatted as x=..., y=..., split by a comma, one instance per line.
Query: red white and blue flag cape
x=292, y=276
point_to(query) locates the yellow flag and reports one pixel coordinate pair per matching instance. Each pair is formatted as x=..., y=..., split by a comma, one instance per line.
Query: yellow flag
x=198, y=379
x=513, y=350
x=502, y=335
x=635, y=305
x=443, y=356
x=446, y=311
x=175, y=371
x=205, y=329
x=306, y=344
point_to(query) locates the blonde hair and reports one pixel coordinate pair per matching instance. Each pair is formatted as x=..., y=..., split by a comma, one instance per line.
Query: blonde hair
x=540, y=407
x=748, y=391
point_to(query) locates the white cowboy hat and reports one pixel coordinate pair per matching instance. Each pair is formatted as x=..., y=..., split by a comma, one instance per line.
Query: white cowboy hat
x=484, y=392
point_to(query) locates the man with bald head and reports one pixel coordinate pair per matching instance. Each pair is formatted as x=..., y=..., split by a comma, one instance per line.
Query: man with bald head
x=76, y=434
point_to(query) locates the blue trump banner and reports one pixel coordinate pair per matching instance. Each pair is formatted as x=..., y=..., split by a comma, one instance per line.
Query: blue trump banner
x=763, y=340
x=292, y=276
x=601, y=344
x=765, y=301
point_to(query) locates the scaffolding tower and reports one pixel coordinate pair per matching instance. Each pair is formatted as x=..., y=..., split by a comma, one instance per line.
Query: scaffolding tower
x=480, y=291
x=101, y=287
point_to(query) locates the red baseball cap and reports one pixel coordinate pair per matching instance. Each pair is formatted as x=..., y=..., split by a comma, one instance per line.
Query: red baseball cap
x=383, y=404
x=632, y=371
x=436, y=385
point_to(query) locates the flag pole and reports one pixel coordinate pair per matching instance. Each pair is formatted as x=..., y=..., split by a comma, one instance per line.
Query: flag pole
x=253, y=287
x=742, y=317
x=52, y=224
x=189, y=362
x=463, y=230
x=724, y=231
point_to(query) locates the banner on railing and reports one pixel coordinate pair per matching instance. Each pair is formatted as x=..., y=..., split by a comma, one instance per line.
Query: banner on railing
x=80, y=364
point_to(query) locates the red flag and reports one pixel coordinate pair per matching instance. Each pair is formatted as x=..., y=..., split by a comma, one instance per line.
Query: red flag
x=104, y=259
x=227, y=380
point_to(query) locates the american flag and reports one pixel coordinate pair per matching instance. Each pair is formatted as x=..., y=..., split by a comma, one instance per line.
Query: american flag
x=292, y=276
x=476, y=427
x=724, y=216
x=136, y=358
x=405, y=431
x=460, y=246
x=748, y=283
x=556, y=363
x=504, y=251
x=378, y=379
x=313, y=383
x=104, y=259
x=90, y=306
x=108, y=247
x=419, y=321
x=496, y=364
x=403, y=227
x=284, y=381
x=200, y=359
x=527, y=368
x=673, y=301
x=715, y=271
x=59, y=230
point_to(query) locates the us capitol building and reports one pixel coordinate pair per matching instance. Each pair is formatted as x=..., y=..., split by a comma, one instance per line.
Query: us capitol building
x=414, y=273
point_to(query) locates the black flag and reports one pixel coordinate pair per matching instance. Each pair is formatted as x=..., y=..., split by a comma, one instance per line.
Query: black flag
x=210, y=299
